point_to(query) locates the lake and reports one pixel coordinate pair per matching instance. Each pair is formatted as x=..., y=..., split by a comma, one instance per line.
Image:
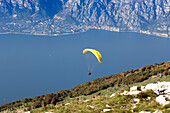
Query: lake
x=35, y=65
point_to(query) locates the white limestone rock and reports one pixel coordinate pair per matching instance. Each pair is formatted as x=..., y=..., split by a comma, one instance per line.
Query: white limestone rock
x=158, y=88
x=105, y=110
x=124, y=93
x=142, y=88
x=90, y=106
x=133, y=92
x=27, y=112
x=134, y=88
x=86, y=100
x=145, y=112
x=67, y=104
x=157, y=111
x=161, y=99
x=136, y=100
x=107, y=105
x=112, y=95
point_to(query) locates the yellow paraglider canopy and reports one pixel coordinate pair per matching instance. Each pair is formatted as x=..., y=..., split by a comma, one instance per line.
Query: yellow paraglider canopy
x=95, y=52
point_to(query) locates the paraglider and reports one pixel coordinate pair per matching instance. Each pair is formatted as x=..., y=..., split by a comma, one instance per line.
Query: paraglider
x=96, y=54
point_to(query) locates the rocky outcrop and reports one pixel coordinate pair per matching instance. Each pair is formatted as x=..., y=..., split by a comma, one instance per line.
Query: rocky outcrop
x=162, y=89
x=157, y=111
x=162, y=100
x=158, y=88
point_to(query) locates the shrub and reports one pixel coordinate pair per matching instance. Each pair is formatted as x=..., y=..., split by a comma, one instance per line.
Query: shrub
x=167, y=106
x=48, y=98
x=36, y=104
x=165, y=73
x=17, y=105
x=43, y=104
x=139, y=88
x=54, y=100
x=25, y=100
x=145, y=94
x=142, y=95
x=142, y=69
x=30, y=99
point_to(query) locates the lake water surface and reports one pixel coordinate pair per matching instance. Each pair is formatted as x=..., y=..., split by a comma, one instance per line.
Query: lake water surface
x=35, y=65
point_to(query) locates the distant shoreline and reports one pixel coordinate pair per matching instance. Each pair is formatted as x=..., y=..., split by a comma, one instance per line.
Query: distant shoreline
x=62, y=34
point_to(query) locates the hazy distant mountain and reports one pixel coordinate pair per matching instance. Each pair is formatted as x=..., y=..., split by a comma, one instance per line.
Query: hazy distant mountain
x=53, y=17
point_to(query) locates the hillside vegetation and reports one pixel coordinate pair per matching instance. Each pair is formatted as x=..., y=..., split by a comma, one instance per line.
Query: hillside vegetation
x=99, y=89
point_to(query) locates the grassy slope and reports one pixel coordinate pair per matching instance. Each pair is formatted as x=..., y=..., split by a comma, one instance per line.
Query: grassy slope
x=119, y=103
x=99, y=98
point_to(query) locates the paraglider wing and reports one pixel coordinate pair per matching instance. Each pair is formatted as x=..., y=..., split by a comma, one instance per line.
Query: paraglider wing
x=95, y=52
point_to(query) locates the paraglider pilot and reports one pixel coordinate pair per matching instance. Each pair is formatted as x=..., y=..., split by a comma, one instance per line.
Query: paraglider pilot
x=96, y=53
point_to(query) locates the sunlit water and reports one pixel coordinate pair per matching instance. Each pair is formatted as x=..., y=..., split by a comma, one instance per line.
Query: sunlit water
x=37, y=65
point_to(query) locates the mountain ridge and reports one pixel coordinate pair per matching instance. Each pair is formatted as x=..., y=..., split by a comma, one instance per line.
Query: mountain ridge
x=55, y=17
